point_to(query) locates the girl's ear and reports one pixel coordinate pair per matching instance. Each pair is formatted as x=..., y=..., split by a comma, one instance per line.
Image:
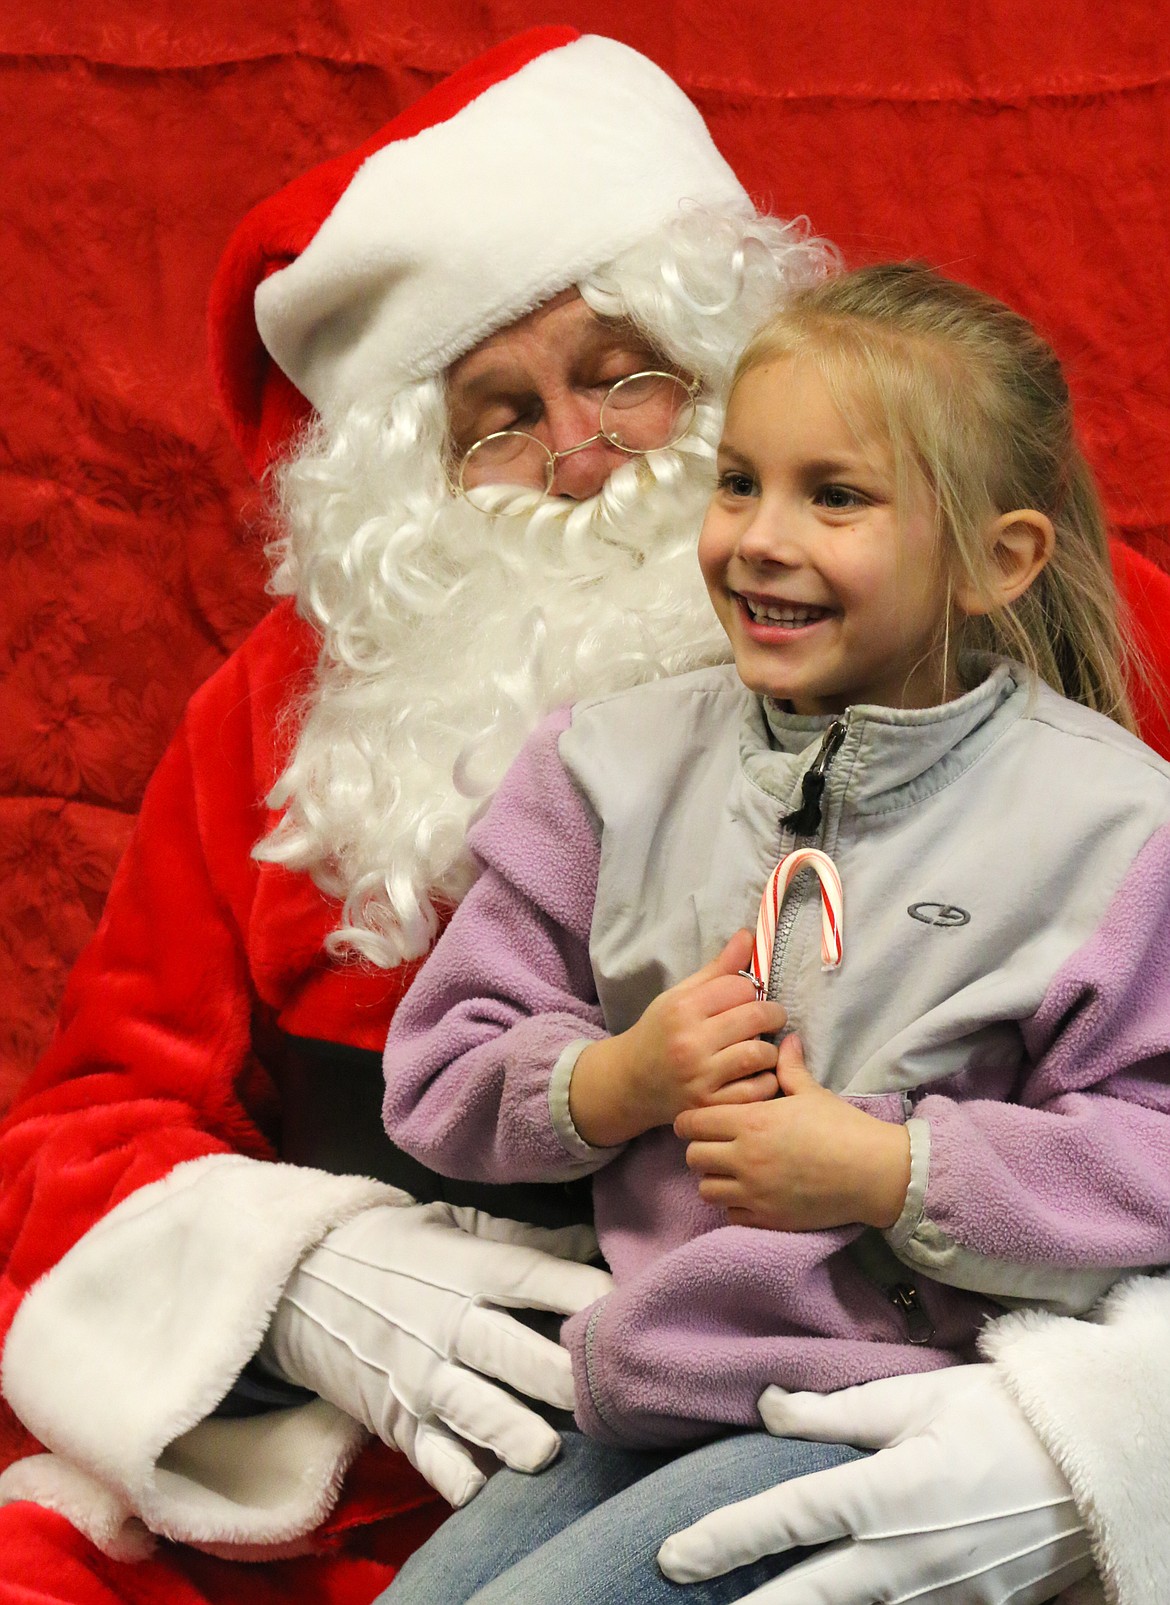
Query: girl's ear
x=1020, y=544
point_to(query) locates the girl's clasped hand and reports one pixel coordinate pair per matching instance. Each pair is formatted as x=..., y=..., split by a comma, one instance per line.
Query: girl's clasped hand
x=772, y=1147
x=701, y=1041
x=803, y=1161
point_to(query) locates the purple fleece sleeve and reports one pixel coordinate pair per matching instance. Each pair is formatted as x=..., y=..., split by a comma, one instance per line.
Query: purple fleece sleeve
x=1077, y=1172
x=508, y=987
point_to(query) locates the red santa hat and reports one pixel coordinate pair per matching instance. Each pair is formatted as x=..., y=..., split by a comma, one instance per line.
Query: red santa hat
x=511, y=180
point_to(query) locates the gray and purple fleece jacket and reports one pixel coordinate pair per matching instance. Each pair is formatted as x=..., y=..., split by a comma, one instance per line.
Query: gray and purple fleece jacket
x=1005, y=991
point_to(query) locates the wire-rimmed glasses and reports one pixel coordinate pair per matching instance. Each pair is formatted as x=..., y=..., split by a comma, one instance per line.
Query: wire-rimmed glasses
x=640, y=413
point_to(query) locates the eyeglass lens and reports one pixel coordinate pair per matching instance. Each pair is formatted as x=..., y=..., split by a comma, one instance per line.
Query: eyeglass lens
x=647, y=411
x=642, y=413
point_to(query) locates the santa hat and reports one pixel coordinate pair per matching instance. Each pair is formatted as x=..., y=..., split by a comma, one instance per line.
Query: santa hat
x=510, y=181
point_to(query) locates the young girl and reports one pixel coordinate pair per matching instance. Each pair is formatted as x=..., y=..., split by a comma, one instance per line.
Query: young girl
x=921, y=757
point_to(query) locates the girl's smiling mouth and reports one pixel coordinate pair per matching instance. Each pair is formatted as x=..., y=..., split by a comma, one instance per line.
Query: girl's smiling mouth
x=773, y=612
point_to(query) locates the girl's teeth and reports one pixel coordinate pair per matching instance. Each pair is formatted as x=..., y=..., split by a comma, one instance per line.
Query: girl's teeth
x=793, y=617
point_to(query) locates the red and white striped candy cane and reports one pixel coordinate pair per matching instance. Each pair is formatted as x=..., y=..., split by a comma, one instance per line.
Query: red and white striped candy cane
x=832, y=909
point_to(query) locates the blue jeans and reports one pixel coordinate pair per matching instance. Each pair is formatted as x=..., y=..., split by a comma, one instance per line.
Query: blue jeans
x=586, y=1531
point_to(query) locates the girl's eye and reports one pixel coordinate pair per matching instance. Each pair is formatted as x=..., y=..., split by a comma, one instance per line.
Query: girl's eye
x=838, y=498
x=737, y=484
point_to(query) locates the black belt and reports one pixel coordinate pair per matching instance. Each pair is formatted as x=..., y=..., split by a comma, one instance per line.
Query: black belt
x=331, y=1119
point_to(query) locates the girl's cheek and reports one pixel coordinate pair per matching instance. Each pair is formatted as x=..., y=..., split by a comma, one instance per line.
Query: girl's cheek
x=712, y=556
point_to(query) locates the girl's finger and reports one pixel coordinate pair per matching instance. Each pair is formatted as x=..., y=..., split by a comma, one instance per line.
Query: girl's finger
x=710, y=1158
x=745, y=1057
x=761, y=1087
x=793, y=1072
x=720, y=993
x=725, y=1192
x=709, y=1124
x=744, y=1020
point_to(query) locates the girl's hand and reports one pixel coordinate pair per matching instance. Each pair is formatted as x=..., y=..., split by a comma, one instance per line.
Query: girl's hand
x=803, y=1162
x=697, y=1045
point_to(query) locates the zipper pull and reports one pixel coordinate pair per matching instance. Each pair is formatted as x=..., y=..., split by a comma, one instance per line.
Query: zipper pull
x=904, y=1297
x=806, y=820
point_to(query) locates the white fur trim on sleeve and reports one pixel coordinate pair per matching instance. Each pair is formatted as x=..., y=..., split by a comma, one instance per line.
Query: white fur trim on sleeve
x=97, y=1511
x=118, y=1355
x=1097, y=1394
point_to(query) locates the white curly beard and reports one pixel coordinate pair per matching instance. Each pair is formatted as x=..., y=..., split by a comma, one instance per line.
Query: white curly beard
x=448, y=634
x=419, y=707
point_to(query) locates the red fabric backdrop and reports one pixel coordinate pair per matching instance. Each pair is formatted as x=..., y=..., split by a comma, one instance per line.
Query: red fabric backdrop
x=1014, y=143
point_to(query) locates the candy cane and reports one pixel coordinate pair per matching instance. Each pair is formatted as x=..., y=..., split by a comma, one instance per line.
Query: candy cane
x=832, y=909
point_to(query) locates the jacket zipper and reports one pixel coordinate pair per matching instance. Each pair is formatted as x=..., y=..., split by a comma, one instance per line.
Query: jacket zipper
x=879, y=1264
x=905, y=1299
x=805, y=820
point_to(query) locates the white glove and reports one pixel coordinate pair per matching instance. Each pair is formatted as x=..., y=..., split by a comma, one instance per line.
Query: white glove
x=961, y=1506
x=393, y=1317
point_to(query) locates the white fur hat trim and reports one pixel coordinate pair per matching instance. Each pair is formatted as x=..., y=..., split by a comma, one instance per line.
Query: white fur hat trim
x=442, y=238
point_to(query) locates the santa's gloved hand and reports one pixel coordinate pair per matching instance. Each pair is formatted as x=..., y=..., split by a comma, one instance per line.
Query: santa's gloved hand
x=398, y=1318
x=960, y=1506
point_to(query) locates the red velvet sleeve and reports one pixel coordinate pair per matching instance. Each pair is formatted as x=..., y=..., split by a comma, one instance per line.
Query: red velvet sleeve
x=151, y=1062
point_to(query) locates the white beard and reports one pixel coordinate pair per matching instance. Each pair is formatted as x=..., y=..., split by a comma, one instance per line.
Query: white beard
x=465, y=632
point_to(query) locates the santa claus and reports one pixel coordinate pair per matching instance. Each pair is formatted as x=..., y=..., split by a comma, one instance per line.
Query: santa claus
x=481, y=359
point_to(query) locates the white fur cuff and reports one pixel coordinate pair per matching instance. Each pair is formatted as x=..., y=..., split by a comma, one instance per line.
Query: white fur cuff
x=1097, y=1394
x=120, y=1353
x=95, y=1510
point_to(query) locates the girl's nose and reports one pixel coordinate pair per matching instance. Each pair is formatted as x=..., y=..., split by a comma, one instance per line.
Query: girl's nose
x=769, y=538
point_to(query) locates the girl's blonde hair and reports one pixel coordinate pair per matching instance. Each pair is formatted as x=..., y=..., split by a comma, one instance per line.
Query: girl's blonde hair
x=975, y=403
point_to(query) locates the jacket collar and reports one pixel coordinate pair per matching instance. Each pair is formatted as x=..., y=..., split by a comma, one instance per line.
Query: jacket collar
x=889, y=757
